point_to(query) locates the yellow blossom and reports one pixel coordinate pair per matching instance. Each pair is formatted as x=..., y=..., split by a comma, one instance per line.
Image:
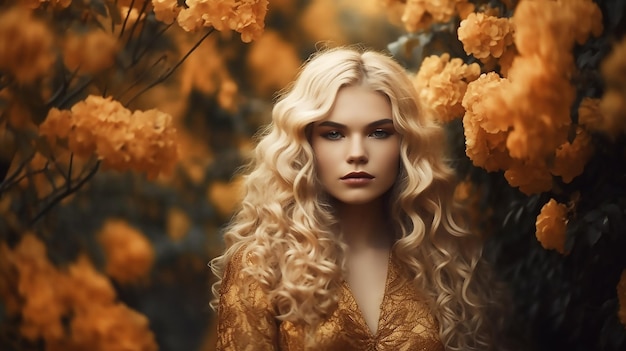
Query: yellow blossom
x=441, y=83
x=143, y=141
x=129, y=254
x=26, y=46
x=531, y=177
x=40, y=290
x=571, y=158
x=166, y=10
x=244, y=16
x=112, y=327
x=225, y=196
x=85, y=285
x=421, y=14
x=550, y=29
x=551, y=225
x=58, y=124
x=538, y=102
x=276, y=62
x=91, y=52
x=178, y=223
x=485, y=129
x=484, y=36
x=613, y=103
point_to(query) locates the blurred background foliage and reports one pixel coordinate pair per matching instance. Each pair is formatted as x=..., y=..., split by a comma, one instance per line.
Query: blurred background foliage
x=105, y=233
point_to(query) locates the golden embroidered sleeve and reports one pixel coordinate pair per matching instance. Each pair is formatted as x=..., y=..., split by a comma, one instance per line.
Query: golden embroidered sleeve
x=245, y=319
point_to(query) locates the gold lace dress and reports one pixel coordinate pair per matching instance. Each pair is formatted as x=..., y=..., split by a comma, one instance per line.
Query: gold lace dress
x=246, y=319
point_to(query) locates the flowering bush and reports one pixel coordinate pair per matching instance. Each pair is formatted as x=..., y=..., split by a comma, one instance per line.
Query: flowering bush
x=80, y=297
x=74, y=76
x=543, y=121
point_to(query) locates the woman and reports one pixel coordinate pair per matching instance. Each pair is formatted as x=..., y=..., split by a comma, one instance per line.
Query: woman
x=348, y=238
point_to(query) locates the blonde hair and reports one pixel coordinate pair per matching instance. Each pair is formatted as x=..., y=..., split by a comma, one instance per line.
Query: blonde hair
x=285, y=225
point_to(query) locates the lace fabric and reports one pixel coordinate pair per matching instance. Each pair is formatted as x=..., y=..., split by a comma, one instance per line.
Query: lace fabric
x=246, y=319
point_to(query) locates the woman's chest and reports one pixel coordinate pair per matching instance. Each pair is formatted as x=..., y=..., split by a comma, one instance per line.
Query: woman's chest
x=405, y=323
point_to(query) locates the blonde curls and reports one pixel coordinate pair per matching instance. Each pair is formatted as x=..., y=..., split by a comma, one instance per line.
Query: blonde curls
x=285, y=226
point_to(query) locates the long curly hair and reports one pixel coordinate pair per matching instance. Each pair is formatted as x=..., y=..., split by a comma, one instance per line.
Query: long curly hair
x=287, y=229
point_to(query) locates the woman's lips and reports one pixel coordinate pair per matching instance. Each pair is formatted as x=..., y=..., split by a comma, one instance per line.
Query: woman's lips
x=357, y=178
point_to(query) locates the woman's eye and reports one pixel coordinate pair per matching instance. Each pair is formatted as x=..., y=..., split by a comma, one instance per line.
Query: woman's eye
x=380, y=134
x=333, y=135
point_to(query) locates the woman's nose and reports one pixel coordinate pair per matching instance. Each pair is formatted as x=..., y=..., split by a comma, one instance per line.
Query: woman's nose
x=357, y=152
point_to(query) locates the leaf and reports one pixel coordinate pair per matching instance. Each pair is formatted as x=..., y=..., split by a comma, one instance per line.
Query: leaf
x=593, y=234
x=616, y=10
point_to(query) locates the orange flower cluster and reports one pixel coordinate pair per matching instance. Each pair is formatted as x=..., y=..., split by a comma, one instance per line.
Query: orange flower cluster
x=551, y=225
x=143, y=141
x=421, y=14
x=530, y=108
x=621, y=298
x=91, y=52
x=441, y=83
x=549, y=29
x=47, y=298
x=129, y=254
x=485, y=36
x=570, y=158
x=613, y=104
x=26, y=46
x=485, y=133
x=244, y=16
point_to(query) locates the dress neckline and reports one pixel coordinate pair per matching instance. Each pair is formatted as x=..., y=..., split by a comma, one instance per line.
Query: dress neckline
x=358, y=313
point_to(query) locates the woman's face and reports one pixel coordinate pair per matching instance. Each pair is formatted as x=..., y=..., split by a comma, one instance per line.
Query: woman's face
x=357, y=149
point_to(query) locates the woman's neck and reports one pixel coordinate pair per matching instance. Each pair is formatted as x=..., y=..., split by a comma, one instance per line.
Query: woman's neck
x=365, y=226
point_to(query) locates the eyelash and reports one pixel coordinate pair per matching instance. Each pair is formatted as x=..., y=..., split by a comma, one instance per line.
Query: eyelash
x=336, y=135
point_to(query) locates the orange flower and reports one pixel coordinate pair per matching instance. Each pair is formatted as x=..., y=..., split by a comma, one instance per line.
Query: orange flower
x=538, y=101
x=91, y=52
x=550, y=29
x=166, y=10
x=26, y=46
x=142, y=141
x=571, y=158
x=58, y=124
x=178, y=223
x=421, y=14
x=274, y=61
x=86, y=286
x=441, y=84
x=225, y=196
x=621, y=298
x=485, y=128
x=129, y=254
x=532, y=177
x=113, y=327
x=40, y=290
x=551, y=225
x=613, y=103
x=244, y=16
x=484, y=36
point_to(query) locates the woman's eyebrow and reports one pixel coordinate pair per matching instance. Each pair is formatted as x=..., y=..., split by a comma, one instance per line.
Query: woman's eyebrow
x=370, y=125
